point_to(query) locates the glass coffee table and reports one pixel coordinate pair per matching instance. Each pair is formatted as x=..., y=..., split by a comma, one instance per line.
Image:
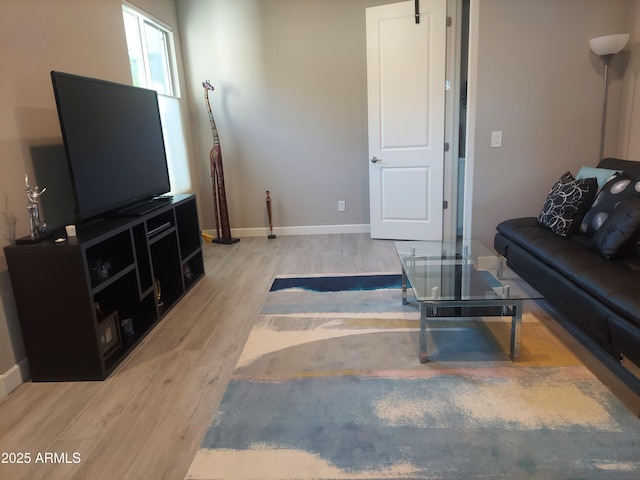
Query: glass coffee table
x=454, y=279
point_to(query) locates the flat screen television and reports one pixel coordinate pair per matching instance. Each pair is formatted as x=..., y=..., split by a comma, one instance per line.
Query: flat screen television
x=114, y=143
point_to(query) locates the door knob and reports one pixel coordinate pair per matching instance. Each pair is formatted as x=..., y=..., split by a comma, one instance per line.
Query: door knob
x=376, y=159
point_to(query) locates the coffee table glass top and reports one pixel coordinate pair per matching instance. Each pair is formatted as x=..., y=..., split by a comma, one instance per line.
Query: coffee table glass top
x=458, y=271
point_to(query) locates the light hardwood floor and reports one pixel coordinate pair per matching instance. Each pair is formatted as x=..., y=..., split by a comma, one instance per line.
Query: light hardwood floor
x=148, y=418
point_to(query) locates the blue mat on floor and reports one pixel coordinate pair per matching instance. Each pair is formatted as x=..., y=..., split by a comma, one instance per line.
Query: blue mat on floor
x=338, y=283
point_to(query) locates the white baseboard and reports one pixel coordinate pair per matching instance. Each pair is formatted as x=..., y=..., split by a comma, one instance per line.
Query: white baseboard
x=298, y=230
x=12, y=378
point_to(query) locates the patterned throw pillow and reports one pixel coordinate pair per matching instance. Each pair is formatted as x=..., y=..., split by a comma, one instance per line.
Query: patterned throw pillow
x=567, y=203
x=615, y=190
x=620, y=227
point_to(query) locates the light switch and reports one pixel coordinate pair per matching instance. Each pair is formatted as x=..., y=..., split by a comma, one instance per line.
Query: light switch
x=496, y=139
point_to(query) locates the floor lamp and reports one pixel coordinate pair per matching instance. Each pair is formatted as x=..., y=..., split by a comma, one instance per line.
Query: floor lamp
x=606, y=47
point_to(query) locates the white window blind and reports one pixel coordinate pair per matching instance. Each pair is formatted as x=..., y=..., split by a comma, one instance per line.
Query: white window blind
x=175, y=143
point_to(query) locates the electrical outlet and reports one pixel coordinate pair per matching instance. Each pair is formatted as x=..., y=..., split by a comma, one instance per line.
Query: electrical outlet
x=341, y=206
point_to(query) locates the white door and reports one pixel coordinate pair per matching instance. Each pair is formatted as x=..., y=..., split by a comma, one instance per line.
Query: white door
x=406, y=88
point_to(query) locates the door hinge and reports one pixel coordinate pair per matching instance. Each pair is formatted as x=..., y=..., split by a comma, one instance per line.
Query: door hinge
x=445, y=204
x=447, y=85
x=446, y=146
x=449, y=21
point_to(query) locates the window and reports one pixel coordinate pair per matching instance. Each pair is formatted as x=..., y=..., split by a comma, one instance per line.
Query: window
x=151, y=57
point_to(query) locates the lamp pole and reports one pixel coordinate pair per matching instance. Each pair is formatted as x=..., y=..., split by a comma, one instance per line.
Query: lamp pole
x=606, y=47
x=606, y=59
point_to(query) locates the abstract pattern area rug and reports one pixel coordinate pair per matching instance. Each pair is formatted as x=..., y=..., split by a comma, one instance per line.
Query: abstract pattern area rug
x=329, y=386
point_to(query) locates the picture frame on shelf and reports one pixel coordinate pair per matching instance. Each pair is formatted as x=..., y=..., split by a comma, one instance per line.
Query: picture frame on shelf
x=109, y=334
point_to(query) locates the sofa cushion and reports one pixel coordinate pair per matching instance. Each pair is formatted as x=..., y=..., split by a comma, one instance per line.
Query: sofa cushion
x=567, y=202
x=613, y=282
x=620, y=228
x=576, y=305
x=615, y=190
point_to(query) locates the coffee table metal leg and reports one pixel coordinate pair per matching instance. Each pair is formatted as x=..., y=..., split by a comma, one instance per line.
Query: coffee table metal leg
x=501, y=263
x=516, y=330
x=423, y=333
x=404, y=287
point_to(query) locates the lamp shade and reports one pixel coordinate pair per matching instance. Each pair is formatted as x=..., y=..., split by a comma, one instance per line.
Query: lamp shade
x=609, y=45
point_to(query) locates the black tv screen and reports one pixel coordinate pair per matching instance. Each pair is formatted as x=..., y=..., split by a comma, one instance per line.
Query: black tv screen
x=113, y=139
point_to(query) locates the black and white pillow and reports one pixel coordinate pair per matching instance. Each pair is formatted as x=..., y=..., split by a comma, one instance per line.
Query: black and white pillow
x=566, y=204
x=614, y=191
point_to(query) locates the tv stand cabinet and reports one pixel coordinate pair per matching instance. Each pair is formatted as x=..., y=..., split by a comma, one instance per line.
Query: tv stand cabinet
x=86, y=303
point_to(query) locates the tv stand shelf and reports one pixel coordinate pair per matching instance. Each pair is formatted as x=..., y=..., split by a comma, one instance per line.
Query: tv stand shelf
x=85, y=304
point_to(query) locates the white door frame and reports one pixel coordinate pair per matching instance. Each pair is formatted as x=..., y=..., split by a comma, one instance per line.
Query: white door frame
x=452, y=114
x=472, y=102
x=454, y=38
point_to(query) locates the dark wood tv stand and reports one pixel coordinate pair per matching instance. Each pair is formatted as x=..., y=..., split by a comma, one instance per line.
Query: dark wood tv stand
x=86, y=303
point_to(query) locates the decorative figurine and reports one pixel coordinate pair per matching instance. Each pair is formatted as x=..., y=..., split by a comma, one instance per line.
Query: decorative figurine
x=268, y=200
x=221, y=213
x=157, y=289
x=37, y=223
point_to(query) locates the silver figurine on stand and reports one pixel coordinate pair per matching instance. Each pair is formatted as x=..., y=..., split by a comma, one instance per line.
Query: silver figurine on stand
x=37, y=222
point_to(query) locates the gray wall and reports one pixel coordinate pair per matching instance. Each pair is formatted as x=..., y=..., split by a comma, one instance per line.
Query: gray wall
x=539, y=83
x=290, y=105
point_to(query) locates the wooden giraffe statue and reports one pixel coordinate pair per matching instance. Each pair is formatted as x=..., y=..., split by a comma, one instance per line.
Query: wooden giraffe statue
x=220, y=211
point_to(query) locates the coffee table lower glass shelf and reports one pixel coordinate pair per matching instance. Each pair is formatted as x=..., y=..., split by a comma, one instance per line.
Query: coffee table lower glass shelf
x=453, y=279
